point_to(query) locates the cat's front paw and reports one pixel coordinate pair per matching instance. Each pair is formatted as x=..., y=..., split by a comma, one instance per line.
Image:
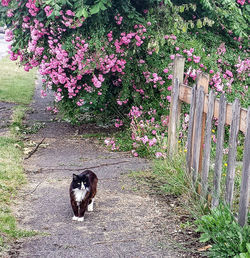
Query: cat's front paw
x=74, y=218
x=90, y=208
x=81, y=219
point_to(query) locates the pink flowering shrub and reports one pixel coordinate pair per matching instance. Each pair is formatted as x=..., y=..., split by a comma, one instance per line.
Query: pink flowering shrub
x=117, y=63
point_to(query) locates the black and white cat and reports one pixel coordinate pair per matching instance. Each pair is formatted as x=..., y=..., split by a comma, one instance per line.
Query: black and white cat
x=82, y=192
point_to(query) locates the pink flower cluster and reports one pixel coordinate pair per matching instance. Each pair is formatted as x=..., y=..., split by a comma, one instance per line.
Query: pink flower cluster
x=110, y=142
x=118, y=19
x=8, y=35
x=241, y=2
x=5, y=2
x=31, y=5
x=118, y=123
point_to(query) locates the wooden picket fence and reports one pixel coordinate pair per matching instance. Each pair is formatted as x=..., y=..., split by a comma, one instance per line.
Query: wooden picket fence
x=203, y=108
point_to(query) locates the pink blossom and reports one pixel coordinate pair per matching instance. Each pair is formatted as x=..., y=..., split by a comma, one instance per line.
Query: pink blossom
x=43, y=94
x=241, y=2
x=165, y=70
x=48, y=10
x=135, y=154
x=196, y=59
x=158, y=155
x=170, y=77
x=172, y=57
x=118, y=123
x=152, y=142
x=5, y=2
x=8, y=35
x=10, y=13
x=229, y=73
x=70, y=13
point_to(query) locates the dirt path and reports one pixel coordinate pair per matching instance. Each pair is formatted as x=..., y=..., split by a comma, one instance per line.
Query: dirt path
x=123, y=224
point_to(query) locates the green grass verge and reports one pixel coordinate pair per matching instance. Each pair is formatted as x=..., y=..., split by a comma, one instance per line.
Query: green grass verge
x=11, y=178
x=16, y=85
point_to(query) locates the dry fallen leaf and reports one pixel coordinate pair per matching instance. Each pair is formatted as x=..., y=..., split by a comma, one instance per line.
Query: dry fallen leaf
x=202, y=249
x=27, y=150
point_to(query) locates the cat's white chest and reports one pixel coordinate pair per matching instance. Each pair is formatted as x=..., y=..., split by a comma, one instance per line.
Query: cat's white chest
x=80, y=195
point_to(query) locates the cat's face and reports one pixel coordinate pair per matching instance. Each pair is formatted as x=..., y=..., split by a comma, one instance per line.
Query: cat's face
x=80, y=181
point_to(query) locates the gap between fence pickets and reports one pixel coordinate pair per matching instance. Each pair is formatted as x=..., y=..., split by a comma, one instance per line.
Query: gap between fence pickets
x=185, y=93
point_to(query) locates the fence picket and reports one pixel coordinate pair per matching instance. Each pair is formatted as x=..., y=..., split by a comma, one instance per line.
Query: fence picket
x=202, y=80
x=234, y=129
x=207, y=146
x=190, y=129
x=245, y=180
x=197, y=130
x=219, y=151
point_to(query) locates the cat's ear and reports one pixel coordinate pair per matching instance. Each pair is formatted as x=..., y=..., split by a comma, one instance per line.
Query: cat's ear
x=75, y=177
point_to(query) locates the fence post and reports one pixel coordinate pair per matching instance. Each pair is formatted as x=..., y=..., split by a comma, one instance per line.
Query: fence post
x=174, y=116
x=197, y=131
x=234, y=128
x=207, y=146
x=245, y=180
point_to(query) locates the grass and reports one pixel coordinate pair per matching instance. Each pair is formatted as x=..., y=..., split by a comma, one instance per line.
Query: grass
x=11, y=178
x=169, y=177
x=17, y=119
x=16, y=85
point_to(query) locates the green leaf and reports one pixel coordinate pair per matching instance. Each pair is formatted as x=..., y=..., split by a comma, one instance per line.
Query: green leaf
x=102, y=6
x=95, y=9
x=184, y=28
x=248, y=247
x=204, y=237
x=82, y=13
x=199, y=24
x=182, y=8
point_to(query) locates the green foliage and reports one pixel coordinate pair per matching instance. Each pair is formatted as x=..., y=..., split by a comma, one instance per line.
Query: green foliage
x=221, y=228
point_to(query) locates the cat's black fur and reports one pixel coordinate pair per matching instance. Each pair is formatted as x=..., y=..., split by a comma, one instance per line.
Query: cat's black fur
x=82, y=191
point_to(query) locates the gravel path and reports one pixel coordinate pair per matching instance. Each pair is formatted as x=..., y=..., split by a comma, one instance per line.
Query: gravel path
x=124, y=223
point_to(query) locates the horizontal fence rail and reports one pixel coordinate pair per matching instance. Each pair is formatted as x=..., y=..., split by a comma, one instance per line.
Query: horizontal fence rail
x=185, y=94
x=203, y=108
